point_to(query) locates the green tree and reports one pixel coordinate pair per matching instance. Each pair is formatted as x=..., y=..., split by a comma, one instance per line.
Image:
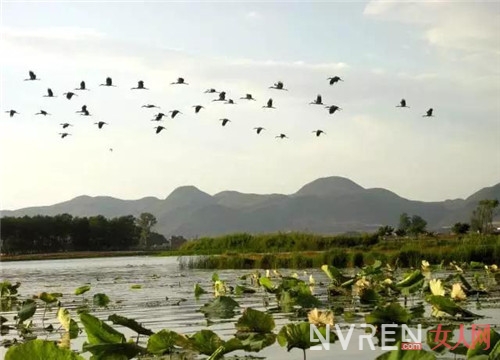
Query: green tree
x=385, y=230
x=404, y=224
x=145, y=223
x=460, y=228
x=417, y=225
x=482, y=216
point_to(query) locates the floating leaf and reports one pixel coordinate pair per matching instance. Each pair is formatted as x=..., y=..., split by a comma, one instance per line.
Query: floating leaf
x=101, y=300
x=448, y=306
x=99, y=332
x=82, y=289
x=136, y=286
x=406, y=354
x=49, y=298
x=222, y=307
x=255, y=321
x=240, y=289
x=162, y=342
x=479, y=349
x=393, y=313
x=267, y=284
x=207, y=342
x=411, y=279
x=40, y=350
x=255, y=342
x=115, y=351
x=27, y=310
x=130, y=323
x=198, y=290
x=299, y=336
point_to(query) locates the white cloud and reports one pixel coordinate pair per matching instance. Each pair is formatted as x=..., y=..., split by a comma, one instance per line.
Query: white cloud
x=253, y=15
x=460, y=30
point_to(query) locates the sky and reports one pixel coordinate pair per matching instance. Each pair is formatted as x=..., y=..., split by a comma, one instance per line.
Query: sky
x=443, y=55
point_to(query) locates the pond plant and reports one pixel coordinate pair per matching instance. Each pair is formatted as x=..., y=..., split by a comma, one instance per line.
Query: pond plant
x=437, y=297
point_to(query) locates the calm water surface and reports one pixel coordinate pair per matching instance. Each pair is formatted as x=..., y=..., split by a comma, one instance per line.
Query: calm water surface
x=154, y=305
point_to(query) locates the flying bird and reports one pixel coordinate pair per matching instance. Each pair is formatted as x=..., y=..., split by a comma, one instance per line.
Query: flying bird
x=69, y=95
x=224, y=121
x=269, y=104
x=150, y=106
x=319, y=132
x=109, y=82
x=259, y=129
x=50, y=93
x=230, y=102
x=278, y=86
x=334, y=80
x=248, y=97
x=159, y=117
x=282, y=136
x=32, y=76
x=317, y=101
x=63, y=135
x=180, y=81
x=210, y=91
x=65, y=125
x=140, y=86
x=42, y=112
x=222, y=96
x=402, y=104
x=159, y=128
x=174, y=113
x=12, y=112
x=100, y=124
x=332, y=108
x=85, y=113
x=82, y=86
x=84, y=109
x=428, y=113
x=197, y=108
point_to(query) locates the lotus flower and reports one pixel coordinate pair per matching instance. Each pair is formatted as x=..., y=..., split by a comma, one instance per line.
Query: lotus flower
x=436, y=287
x=320, y=318
x=457, y=293
x=387, y=281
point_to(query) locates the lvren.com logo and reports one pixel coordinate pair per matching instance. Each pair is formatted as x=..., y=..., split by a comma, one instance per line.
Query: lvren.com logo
x=411, y=338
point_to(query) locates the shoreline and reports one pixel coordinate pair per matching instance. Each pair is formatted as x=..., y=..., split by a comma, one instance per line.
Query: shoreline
x=76, y=255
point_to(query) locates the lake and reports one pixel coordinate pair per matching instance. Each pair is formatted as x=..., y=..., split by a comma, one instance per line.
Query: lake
x=158, y=303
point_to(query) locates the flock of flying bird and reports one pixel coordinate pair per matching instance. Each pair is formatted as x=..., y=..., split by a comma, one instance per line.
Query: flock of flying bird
x=173, y=113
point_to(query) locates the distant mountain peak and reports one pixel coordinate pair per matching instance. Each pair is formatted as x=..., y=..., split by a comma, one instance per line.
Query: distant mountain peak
x=329, y=186
x=187, y=195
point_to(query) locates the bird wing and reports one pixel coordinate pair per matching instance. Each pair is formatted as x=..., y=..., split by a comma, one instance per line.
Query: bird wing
x=319, y=99
x=270, y=102
x=82, y=85
x=140, y=84
x=32, y=75
x=109, y=81
x=49, y=91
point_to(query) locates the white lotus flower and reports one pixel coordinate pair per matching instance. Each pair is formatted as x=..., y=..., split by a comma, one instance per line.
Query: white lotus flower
x=360, y=285
x=320, y=318
x=387, y=281
x=436, y=287
x=425, y=265
x=457, y=293
x=311, y=280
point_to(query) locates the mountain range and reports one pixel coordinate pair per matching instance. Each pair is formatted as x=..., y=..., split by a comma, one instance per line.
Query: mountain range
x=327, y=205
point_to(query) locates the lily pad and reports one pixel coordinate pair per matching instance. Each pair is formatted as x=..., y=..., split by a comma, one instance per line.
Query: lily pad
x=40, y=350
x=220, y=307
x=255, y=321
x=129, y=323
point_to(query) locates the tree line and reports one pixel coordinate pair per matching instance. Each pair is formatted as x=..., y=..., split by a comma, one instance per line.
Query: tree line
x=44, y=234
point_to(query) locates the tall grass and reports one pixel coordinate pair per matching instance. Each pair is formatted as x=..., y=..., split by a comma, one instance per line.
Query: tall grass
x=409, y=253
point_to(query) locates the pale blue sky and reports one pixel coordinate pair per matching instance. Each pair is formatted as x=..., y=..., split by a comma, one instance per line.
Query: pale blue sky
x=444, y=55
